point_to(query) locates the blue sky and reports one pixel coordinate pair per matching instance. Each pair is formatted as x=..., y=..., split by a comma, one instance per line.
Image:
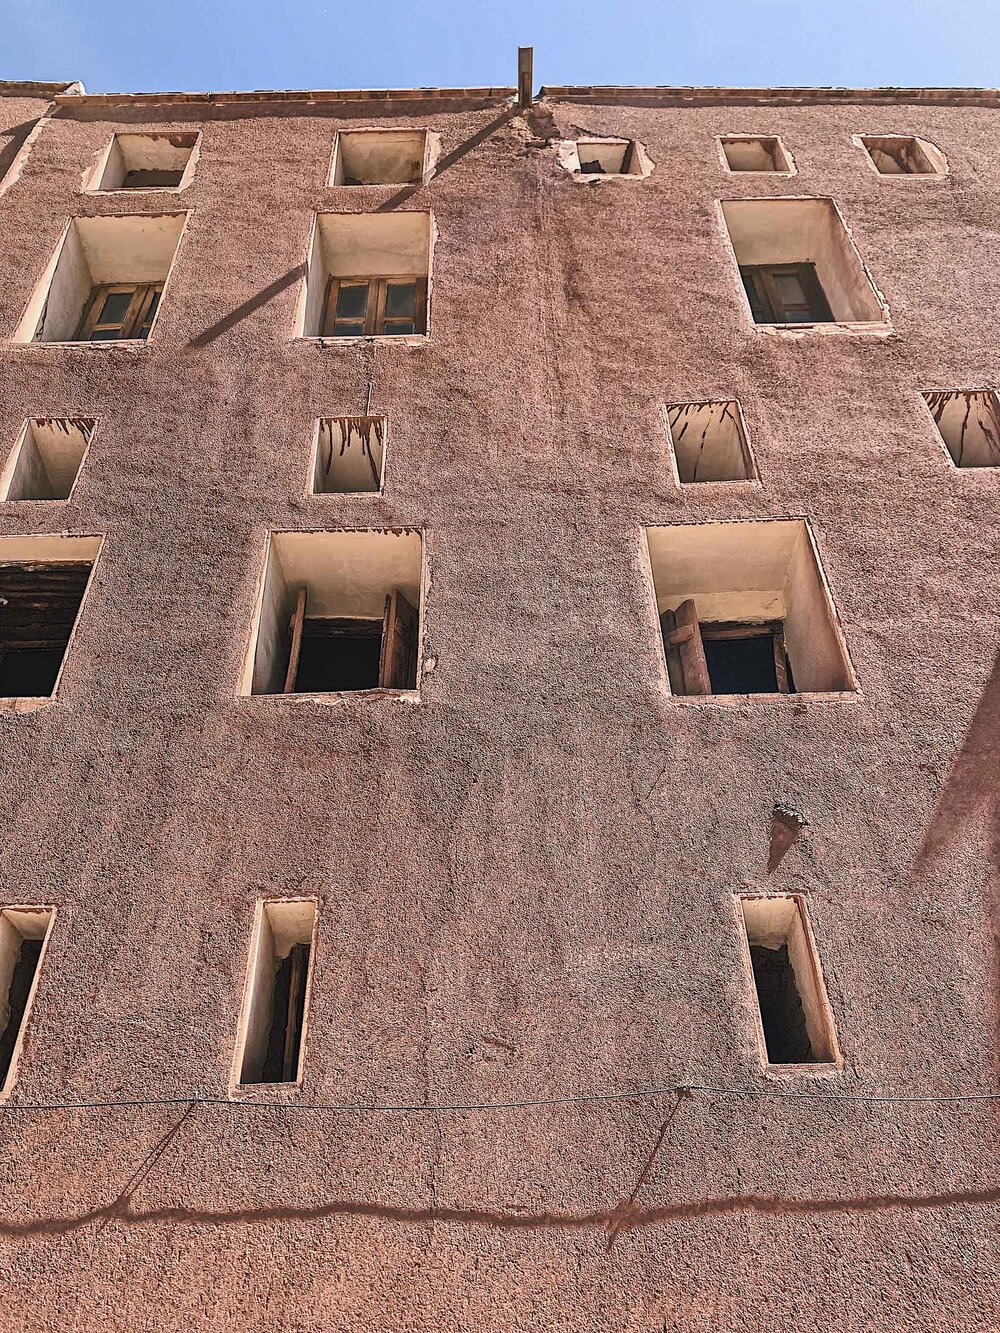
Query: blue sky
x=131, y=45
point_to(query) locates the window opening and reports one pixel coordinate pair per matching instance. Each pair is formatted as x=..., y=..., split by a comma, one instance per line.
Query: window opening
x=350, y=453
x=47, y=459
x=799, y=265
x=274, y=1019
x=903, y=155
x=795, y=1018
x=119, y=310
x=744, y=609
x=148, y=162
x=968, y=421
x=606, y=159
x=380, y=157
x=39, y=604
x=709, y=442
x=360, y=307
x=785, y=294
x=23, y=933
x=755, y=153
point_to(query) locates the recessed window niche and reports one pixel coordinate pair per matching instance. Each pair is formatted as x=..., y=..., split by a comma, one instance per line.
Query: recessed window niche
x=47, y=458
x=799, y=265
x=903, y=155
x=349, y=455
x=795, y=1021
x=147, y=162
x=744, y=610
x=104, y=281
x=337, y=612
x=756, y=152
x=271, y=1038
x=24, y=934
x=381, y=157
x=968, y=422
x=709, y=442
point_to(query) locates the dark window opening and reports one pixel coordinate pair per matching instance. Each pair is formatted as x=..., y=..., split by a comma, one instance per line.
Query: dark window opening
x=288, y=1008
x=39, y=604
x=330, y=653
x=747, y=659
x=119, y=310
x=17, y=1000
x=785, y=294
x=339, y=655
x=366, y=307
x=782, y=1016
x=725, y=657
x=150, y=180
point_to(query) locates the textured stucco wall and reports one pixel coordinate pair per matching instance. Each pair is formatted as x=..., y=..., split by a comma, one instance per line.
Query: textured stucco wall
x=527, y=880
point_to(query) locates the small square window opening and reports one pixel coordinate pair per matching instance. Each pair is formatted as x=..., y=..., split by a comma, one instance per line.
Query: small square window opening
x=349, y=457
x=147, y=162
x=903, y=155
x=756, y=152
x=968, y=421
x=594, y=158
x=709, y=442
x=47, y=458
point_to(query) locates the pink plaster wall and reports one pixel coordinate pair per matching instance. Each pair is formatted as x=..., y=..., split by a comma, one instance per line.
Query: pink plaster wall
x=526, y=881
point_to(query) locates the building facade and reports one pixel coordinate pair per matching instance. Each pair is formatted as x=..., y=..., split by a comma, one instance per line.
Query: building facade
x=500, y=719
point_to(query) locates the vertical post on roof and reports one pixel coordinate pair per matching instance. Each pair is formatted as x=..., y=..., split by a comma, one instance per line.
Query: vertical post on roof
x=525, y=79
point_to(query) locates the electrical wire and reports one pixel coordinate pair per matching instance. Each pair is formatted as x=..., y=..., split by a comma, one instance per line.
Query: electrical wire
x=437, y=1108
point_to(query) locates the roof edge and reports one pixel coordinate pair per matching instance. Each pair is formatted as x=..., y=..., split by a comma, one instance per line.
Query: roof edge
x=681, y=96
x=27, y=87
x=313, y=97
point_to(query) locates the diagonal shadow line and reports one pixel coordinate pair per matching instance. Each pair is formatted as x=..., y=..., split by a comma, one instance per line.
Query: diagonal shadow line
x=449, y=159
x=142, y=1171
x=624, y=1209
x=972, y=780
x=767, y=1205
x=248, y=307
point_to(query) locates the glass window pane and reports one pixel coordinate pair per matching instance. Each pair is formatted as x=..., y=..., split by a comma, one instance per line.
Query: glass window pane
x=399, y=326
x=152, y=308
x=115, y=307
x=400, y=300
x=790, y=289
x=352, y=301
x=104, y=335
x=345, y=328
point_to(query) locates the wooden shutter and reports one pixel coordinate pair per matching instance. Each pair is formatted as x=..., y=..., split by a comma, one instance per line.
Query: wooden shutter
x=295, y=625
x=686, y=664
x=398, y=663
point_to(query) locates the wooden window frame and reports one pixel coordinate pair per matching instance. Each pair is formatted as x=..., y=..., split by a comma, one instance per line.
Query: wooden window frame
x=761, y=277
x=735, y=629
x=134, y=319
x=399, y=631
x=376, y=324
x=684, y=639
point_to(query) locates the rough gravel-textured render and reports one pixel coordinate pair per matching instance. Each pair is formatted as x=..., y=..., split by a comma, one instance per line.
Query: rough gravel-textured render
x=526, y=880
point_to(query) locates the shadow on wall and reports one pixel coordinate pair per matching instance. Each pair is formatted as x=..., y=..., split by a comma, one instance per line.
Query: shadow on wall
x=972, y=791
x=280, y=284
x=11, y=143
